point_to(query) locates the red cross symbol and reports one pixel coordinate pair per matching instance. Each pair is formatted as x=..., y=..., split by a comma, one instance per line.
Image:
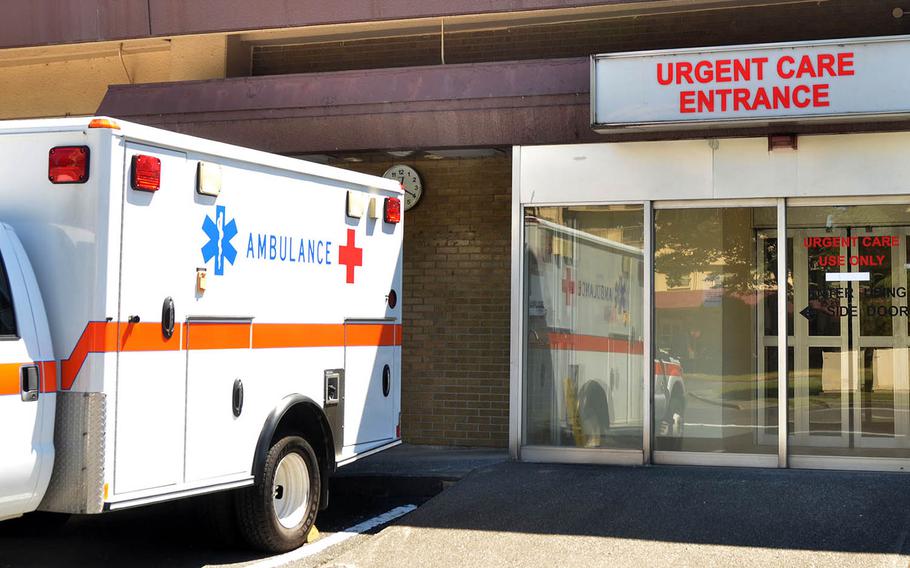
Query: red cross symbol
x=350, y=256
x=568, y=286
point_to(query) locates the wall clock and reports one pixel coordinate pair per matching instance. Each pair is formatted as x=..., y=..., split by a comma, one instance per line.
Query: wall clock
x=410, y=182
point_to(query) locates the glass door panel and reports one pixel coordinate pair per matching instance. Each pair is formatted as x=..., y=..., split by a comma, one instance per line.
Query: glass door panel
x=584, y=308
x=820, y=404
x=712, y=286
x=849, y=393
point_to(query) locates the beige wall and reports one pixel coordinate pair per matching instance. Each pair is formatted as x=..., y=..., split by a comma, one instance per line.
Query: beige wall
x=72, y=80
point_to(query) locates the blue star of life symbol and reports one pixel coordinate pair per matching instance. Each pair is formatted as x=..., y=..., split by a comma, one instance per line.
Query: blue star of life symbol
x=219, y=245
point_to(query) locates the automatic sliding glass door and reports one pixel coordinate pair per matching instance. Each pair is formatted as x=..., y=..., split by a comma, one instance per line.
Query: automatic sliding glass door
x=585, y=344
x=849, y=337
x=712, y=283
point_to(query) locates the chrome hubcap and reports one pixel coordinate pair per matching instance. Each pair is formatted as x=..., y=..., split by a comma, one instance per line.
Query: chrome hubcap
x=291, y=491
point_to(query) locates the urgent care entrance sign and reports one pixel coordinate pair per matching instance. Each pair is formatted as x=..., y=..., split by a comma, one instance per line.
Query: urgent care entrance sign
x=827, y=80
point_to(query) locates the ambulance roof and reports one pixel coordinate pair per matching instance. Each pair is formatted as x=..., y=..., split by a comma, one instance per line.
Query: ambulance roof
x=173, y=140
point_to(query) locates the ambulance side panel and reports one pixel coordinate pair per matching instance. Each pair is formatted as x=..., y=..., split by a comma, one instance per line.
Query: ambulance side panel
x=66, y=231
x=293, y=288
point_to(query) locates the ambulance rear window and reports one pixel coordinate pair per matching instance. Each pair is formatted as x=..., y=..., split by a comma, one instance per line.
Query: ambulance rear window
x=7, y=313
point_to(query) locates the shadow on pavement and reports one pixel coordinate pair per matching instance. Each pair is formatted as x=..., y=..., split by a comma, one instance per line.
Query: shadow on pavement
x=195, y=532
x=779, y=509
x=188, y=533
x=181, y=533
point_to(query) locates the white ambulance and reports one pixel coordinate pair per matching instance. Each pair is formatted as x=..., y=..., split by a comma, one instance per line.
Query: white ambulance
x=180, y=316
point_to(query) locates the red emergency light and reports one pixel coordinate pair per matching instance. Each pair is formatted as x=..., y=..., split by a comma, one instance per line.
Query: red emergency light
x=146, y=173
x=392, y=210
x=67, y=164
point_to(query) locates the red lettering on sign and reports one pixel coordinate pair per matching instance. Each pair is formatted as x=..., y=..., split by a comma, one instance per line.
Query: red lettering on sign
x=686, y=101
x=781, y=97
x=723, y=98
x=741, y=99
x=760, y=67
x=782, y=72
x=722, y=67
x=820, y=95
x=820, y=65
x=826, y=65
x=704, y=73
x=761, y=99
x=845, y=63
x=751, y=97
x=705, y=101
x=683, y=69
x=805, y=67
x=804, y=102
x=660, y=78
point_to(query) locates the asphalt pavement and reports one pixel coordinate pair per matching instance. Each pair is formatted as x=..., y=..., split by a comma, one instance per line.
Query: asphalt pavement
x=525, y=515
x=194, y=533
x=180, y=534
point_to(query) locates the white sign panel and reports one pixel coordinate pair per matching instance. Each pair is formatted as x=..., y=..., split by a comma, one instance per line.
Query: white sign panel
x=753, y=83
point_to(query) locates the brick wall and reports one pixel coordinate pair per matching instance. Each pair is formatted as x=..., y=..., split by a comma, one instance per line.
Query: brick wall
x=455, y=352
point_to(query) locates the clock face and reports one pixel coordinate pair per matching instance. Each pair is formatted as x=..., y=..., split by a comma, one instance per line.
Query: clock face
x=410, y=183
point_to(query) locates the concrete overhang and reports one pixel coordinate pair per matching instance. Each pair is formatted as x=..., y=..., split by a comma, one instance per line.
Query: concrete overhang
x=450, y=106
x=444, y=106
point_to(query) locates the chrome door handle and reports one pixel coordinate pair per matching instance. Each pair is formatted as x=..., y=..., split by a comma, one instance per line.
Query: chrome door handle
x=29, y=381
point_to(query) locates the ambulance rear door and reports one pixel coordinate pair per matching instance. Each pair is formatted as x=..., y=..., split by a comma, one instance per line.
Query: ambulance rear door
x=156, y=287
x=371, y=299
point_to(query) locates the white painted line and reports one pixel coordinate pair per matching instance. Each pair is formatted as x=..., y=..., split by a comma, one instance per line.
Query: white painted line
x=846, y=277
x=329, y=541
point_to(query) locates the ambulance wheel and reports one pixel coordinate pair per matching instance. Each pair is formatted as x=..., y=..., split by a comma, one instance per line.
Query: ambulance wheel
x=676, y=416
x=277, y=513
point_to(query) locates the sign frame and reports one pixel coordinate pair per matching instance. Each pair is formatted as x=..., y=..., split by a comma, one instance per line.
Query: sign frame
x=739, y=122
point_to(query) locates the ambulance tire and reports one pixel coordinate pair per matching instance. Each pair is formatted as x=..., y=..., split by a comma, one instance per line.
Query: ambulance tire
x=676, y=415
x=293, y=461
x=593, y=413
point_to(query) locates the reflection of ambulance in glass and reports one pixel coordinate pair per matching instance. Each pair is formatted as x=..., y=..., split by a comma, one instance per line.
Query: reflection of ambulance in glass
x=585, y=343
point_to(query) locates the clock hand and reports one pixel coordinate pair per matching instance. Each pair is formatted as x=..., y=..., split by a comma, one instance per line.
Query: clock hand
x=411, y=193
